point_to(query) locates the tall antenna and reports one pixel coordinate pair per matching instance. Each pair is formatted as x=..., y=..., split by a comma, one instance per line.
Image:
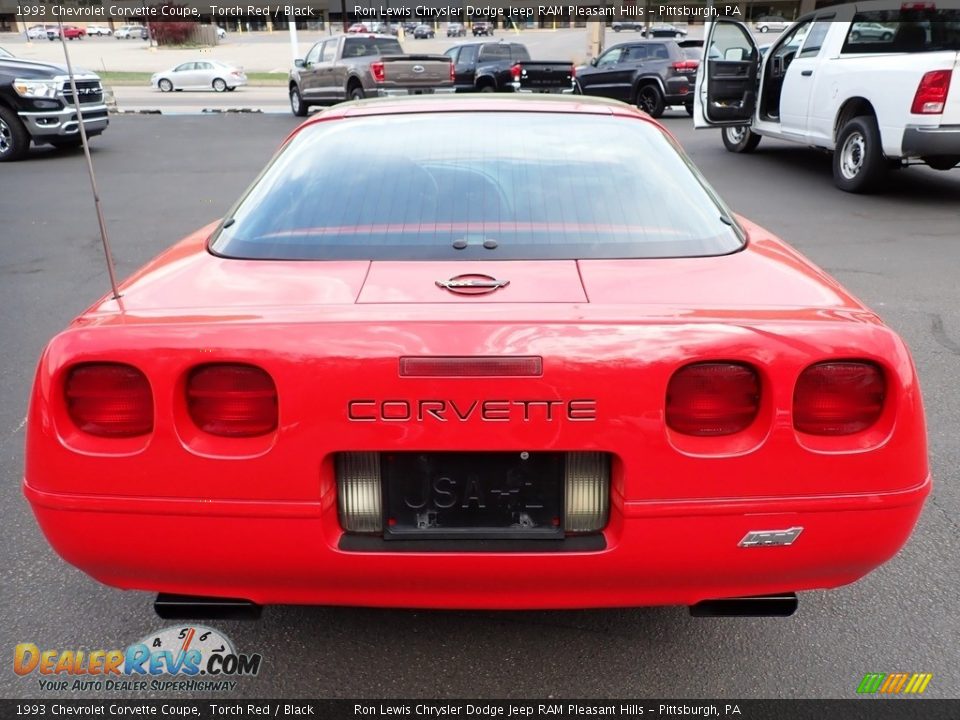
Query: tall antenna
x=93, y=179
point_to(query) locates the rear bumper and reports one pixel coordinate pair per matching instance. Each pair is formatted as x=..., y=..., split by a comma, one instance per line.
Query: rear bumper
x=927, y=141
x=653, y=553
x=565, y=90
x=63, y=123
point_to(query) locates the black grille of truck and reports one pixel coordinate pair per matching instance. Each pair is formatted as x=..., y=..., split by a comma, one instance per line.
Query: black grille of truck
x=90, y=91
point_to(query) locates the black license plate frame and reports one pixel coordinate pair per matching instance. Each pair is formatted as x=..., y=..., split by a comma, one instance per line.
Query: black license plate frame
x=473, y=495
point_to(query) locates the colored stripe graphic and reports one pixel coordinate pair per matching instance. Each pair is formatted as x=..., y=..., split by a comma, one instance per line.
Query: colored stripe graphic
x=894, y=683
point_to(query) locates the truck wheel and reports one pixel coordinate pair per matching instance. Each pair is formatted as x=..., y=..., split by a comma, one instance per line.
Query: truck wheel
x=14, y=140
x=858, y=162
x=650, y=100
x=488, y=88
x=297, y=105
x=739, y=139
x=689, y=108
x=356, y=93
x=220, y=85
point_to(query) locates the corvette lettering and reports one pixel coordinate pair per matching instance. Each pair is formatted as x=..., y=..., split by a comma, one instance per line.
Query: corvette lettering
x=400, y=410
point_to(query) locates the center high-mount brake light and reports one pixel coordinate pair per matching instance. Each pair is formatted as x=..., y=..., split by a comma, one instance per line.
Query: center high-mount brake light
x=838, y=398
x=931, y=95
x=713, y=398
x=232, y=400
x=109, y=400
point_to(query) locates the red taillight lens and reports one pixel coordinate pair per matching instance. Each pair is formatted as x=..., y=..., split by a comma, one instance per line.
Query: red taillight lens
x=515, y=72
x=378, y=72
x=713, y=398
x=685, y=65
x=109, y=399
x=838, y=398
x=931, y=95
x=232, y=400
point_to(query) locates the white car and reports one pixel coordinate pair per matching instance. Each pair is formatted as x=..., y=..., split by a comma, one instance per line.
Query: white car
x=131, y=32
x=200, y=75
x=771, y=23
x=877, y=104
x=221, y=33
x=99, y=30
x=40, y=32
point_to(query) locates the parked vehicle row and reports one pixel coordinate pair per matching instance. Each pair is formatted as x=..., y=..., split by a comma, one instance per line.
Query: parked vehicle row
x=656, y=30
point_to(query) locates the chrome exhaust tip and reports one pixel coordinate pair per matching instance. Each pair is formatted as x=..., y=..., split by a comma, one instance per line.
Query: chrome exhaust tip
x=192, y=607
x=781, y=605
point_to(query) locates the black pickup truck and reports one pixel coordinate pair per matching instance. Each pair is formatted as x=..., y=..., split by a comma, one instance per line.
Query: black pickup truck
x=36, y=104
x=507, y=67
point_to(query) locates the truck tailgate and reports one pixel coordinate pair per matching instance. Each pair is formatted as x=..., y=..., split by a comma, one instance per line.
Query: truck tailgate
x=416, y=71
x=544, y=76
x=951, y=111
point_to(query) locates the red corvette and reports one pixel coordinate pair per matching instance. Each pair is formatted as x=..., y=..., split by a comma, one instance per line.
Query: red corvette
x=486, y=352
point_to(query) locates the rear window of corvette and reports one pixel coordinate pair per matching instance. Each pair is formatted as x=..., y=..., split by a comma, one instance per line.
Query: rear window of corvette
x=478, y=186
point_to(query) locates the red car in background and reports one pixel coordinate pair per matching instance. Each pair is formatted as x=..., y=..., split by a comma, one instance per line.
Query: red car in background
x=534, y=362
x=72, y=32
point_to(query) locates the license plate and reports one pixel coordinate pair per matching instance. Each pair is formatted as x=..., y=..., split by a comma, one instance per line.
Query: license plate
x=473, y=495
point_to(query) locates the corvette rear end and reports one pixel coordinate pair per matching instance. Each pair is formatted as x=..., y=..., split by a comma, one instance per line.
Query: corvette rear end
x=500, y=403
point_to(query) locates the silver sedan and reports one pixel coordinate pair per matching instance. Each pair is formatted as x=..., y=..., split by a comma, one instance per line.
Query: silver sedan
x=200, y=75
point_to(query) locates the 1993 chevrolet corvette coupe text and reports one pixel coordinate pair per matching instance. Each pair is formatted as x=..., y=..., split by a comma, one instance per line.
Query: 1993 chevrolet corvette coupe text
x=478, y=353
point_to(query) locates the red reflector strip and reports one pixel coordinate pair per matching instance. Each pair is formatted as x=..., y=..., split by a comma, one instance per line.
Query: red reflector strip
x=471, y=367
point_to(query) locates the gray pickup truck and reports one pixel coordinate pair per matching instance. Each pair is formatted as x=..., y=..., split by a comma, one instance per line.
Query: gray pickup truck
x=353, y=67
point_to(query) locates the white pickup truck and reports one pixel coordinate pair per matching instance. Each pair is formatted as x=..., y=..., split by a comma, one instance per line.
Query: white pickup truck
x=877, y=83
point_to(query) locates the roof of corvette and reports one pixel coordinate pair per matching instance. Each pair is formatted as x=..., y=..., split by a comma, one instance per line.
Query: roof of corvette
x=547, y=104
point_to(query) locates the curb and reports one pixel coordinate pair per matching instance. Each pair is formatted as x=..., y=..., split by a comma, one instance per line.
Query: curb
x=203, y=111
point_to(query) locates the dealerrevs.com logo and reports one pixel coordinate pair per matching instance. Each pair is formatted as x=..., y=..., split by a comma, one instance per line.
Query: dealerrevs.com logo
x=175, y=659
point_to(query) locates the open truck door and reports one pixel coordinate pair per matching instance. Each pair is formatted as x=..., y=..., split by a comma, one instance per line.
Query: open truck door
x=727, y=80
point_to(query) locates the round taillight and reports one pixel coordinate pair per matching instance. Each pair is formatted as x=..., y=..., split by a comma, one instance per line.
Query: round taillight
x=232, y=400
x=838, y=398
x=713, y=398
x=109, y=400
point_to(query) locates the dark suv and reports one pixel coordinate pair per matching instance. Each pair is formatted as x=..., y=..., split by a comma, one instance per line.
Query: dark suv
x=650, y=74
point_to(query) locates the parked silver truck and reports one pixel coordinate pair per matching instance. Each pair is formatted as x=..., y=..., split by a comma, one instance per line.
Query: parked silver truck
x=353, y=67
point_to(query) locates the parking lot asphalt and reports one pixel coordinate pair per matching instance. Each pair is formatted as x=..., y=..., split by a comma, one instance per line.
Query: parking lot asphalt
x=161, y=177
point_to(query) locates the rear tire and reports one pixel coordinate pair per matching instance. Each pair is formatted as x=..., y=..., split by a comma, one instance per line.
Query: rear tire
x=858, y=162
x=297, y=106
x=689, y=108
x=356, y=93
x=740, y=139
x=650, y=100
x=220, y=85
x=14, y=139
x=488, y=89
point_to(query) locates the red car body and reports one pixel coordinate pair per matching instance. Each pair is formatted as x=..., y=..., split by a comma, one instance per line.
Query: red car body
x=72, y=32
x=178, y=510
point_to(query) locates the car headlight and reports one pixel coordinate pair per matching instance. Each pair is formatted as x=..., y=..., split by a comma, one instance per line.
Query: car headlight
x=35, y=88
